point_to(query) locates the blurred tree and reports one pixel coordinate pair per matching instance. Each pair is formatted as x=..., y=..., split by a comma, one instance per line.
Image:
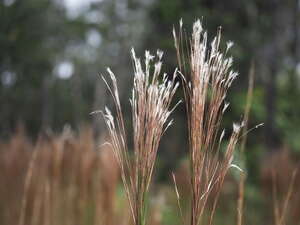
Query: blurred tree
x=31, y=37
x=51, y=55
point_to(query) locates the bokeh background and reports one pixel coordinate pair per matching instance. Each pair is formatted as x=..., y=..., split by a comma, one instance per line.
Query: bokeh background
x=52, y=53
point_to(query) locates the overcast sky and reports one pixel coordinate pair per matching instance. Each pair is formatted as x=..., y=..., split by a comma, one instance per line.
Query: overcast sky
x=79, y=3
x=76, y=6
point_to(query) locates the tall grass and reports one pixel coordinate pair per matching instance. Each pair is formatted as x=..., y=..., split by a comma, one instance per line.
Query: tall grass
x=150, y=102
x=281, y=181
x=59, y=180
x=207, y=77
x=72, y=183
x=241, y=194
x=281, y=211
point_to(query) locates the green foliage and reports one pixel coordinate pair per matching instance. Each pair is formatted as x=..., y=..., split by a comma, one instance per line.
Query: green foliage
x=288, y=119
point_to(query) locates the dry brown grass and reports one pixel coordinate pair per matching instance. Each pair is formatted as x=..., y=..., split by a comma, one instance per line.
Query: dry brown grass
x=243, y=177
x=281, y=184
x=59, y=180
x=14, y=159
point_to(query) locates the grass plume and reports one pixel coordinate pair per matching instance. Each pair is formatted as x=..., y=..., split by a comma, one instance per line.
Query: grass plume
x=150, y=102
x=207, y=77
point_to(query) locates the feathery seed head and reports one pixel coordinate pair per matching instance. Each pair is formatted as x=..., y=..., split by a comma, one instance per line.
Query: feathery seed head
x=150, y=102
x=208, y=76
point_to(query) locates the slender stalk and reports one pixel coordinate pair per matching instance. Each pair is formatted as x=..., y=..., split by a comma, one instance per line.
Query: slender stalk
x=280, y=211
x=28, y=180
x=240, y=203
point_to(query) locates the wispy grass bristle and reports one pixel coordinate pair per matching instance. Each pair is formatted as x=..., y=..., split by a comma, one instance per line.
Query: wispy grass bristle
x=151, y=99
x=208, y=76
